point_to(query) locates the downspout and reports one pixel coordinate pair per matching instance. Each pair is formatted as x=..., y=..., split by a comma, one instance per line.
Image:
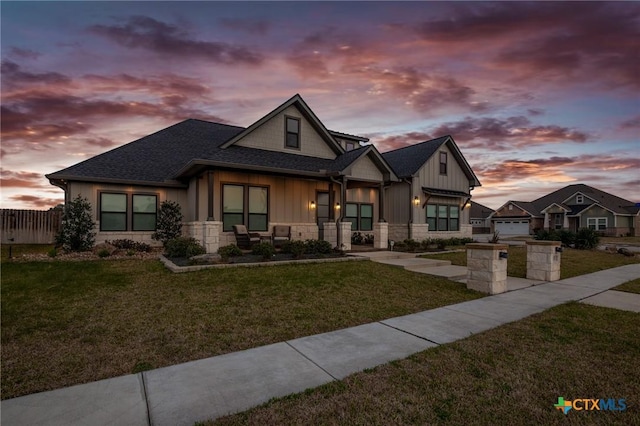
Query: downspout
x=409, y=233
x=340, y=214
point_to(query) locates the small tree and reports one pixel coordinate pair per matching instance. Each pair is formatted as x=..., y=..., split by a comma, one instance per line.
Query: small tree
x=77, y=230
x=169, y=224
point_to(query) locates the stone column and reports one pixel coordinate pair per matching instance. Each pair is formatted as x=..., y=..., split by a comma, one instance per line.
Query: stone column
x=344, y=228
x=380, y=235
x=543, y=260
x=330, y=233
x=487, y=268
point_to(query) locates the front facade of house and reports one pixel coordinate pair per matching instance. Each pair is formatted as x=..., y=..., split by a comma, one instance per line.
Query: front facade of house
x=285, y=169
x=571, y=208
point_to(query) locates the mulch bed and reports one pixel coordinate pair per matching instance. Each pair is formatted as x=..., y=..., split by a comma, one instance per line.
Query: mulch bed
x=254, y=258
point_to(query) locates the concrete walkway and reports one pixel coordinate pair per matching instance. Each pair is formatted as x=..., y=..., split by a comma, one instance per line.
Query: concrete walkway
x=209, y=388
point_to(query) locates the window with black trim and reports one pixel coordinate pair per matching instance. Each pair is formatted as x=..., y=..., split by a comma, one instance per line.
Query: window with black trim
x=443, y=163
x=360, y=215
x=115, y=214
x=144, y=214
x=442, y=217
x=256, y=214
x=292, y=137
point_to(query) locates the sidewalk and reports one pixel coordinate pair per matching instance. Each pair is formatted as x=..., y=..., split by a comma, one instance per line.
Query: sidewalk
x=195, y=391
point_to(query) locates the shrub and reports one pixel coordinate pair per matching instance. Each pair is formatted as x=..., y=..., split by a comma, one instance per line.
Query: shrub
x=587, y=239
x=357, y=238
x=266, y=250
x=52, y=253
x=231, y=250
x=317, y=247
x=130, y=245
x=411, y=244
x=104, y=253
x=441, y=243
x=567, y=237
x=184, y=247
x=76, y=233
x=495, y=239
x=169, y=224
x=296, y=248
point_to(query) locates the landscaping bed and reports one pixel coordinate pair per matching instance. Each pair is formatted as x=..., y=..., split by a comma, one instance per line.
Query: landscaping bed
x=252, y=258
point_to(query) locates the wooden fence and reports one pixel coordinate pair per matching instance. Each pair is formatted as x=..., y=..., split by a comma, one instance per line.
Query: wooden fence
x=29, y=226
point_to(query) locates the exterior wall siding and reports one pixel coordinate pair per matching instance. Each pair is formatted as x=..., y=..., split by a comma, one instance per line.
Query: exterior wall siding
x=429, y=175
x=364, y=168
x=396, y=204
x=91, y=191
x=516, y=211
x=270, y=136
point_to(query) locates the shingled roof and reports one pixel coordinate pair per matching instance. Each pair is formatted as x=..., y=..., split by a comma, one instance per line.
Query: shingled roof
x=612, y=202
x=406, y=161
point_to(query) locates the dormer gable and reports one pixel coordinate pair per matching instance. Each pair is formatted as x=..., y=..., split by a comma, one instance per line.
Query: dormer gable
x=579, y=199
x=292, y=128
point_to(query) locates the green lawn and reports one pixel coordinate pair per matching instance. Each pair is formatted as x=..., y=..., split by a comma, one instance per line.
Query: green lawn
x=65, y=323
x=511, y=375
x=630, y=286
x=573, y=262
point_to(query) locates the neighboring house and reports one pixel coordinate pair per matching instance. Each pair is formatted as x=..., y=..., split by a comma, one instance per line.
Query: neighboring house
x=572, y=207
x=480, y=218
x=285, y=169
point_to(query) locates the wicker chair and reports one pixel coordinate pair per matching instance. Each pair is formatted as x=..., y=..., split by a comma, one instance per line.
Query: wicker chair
x=280, y=234
x=244, y=238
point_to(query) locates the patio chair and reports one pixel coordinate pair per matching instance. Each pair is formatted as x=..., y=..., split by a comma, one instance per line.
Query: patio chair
x=244, y=238
x=280, y=234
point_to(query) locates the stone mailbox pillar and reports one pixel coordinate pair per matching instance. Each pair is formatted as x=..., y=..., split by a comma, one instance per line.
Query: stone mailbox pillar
x=487, y=267
x=543, y=260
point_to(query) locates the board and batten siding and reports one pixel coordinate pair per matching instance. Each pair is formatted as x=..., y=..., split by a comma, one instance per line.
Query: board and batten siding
x=397, y=202
x=289, y=198
x=271, y=136
x=429, y=174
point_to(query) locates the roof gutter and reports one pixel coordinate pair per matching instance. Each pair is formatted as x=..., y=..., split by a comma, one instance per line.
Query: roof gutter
x=341, y=214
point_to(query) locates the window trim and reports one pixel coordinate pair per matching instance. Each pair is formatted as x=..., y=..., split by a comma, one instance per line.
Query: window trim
x=129, y=213
x=596, y=225
x=436, y=219
x=580, y=199
x=440, y=158
x=349, y=146
x=286, y=132
x=356, y=225
x=245, y=205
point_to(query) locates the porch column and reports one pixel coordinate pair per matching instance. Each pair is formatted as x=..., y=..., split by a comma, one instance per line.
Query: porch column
x=546, y=225
x=380, y=235
x=565, y=223
x=331, y=233
x=381, y=204
x=210, y=215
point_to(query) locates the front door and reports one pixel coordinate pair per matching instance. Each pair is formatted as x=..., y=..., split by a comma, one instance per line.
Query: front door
x=322, y=214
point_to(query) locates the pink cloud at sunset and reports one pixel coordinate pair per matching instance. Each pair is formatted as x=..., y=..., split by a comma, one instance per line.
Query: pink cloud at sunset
x=536, y=94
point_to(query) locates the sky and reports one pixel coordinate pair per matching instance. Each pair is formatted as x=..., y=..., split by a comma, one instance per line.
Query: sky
x=536, y=95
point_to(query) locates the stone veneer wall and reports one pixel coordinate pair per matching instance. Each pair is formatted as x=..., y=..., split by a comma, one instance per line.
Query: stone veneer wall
x=543, y=261
x=139, y=236
x=380, y=235
x=486, y=271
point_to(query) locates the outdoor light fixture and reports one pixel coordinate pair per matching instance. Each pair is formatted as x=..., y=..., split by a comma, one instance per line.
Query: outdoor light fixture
x=312, y=205
x=337, y=206
x=416, y=200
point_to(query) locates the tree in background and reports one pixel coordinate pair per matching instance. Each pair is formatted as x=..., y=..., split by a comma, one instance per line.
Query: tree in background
x=77, y=230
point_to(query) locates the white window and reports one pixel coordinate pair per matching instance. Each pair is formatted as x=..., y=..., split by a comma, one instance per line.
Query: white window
x=579, y=199
x=597, y=223
x=510, y=207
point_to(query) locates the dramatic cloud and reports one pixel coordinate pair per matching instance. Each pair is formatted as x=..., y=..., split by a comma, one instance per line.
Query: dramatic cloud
x=489, y=133
x=12, y=179
x=12, y=76
x=142, y=32
x=17, y=52
x=36, y=202
x=632, y=123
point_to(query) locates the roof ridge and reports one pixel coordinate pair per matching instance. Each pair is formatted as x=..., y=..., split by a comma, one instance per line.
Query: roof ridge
x=416, y=144
x=210, y=122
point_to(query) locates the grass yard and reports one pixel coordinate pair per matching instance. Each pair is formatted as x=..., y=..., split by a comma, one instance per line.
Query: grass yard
x=510, y=375
x=65, y=323
x=630, y=286
x=573, y=263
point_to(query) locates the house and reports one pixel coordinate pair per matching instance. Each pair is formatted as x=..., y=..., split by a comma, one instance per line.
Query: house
x=287, y=168
x=480, y=218
x=572, y=207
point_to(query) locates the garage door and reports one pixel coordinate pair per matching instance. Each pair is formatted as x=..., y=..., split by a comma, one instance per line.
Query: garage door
x=512, y=227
